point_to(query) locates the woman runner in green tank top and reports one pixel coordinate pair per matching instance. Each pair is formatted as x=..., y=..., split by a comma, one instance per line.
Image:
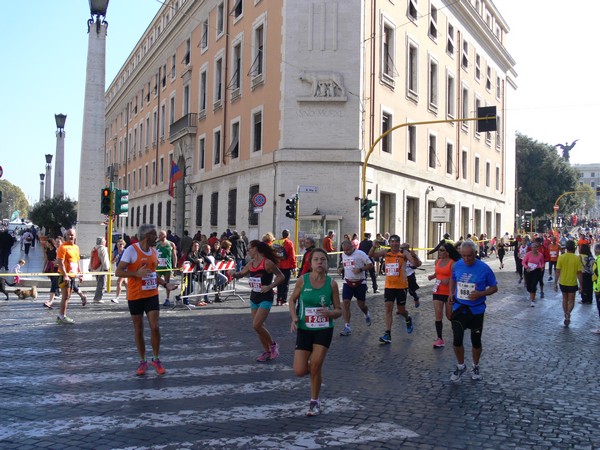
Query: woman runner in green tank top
x=318, y=299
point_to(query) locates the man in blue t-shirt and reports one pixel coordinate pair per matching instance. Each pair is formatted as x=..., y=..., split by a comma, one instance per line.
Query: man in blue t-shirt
x=471, y=282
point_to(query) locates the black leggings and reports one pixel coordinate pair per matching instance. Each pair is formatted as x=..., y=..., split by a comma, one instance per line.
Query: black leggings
x=532, y=278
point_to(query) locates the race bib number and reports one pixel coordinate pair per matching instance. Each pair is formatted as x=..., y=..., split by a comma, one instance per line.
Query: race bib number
x=314, y=320
x=392, y=269
x=464, y=290
x=532, y=266
x=348, y=264
x=73, y=267
x=162, y=262
x=553, y=253
x=149, y=282
x=255, y=284
x=436, y=285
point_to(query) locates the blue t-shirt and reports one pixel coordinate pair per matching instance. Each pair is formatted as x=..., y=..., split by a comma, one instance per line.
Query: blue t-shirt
x=477, y=277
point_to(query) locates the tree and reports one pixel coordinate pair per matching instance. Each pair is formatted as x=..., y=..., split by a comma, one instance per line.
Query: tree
x=54, y=213
x=543, y=176
x=13, y=199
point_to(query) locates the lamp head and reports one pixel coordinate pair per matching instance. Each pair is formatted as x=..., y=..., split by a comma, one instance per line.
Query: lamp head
x=60, y=121
x=49, y=158
x=98, y=7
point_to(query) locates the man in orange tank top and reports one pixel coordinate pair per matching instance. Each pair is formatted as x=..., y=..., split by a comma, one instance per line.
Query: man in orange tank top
x=138, y=263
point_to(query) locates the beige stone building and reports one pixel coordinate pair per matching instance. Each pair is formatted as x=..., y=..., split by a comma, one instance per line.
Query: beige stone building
x=275, y=97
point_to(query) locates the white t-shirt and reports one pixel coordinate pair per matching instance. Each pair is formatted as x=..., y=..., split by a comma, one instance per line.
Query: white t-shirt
x=130, y=255
x=358, y=259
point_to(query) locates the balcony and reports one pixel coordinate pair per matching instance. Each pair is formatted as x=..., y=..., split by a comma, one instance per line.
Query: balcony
x=187, y=125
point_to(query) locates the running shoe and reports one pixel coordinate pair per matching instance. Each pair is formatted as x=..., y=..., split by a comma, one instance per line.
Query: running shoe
x=141, y=370
x=520, y=280
x=115, y=300
x=375, y=291
x=542, y=294
x=314, y=408
x=368, y=319
x=99, y=301
x=274, y=350
x=83, y=300
x=167, y=303
x=409, y=325
x=264, y=357
x=439, y=343
x=532, y=304
x=550, y=278
x=417, y=302
x=386, y=338
x=567, y=320
x=597, y=331
x=475, y=375
x=458, y=373
x=158, y=366
x=346, y=331
x=64, y=321
x=48, y=305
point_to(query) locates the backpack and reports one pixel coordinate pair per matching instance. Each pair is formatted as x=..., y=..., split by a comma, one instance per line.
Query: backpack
x=279, y=250
x=95, y=263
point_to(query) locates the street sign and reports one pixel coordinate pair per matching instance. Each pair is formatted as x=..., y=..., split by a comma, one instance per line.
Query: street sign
x=258, y=209
x=308, y=189
x=440, y=214
x=259, y=200
x=556, y=208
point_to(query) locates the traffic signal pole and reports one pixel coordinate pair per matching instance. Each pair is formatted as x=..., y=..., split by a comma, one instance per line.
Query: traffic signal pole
x=111, y=219
x=363, y=222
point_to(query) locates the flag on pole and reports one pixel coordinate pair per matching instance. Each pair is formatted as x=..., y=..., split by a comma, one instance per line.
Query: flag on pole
x=175, y=175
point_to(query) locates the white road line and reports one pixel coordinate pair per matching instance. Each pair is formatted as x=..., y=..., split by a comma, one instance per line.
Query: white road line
x=169, y=393
x=316, y=438
x=96, y=424
x=104, y=377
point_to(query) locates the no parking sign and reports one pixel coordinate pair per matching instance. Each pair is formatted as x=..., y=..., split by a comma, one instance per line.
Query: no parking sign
x=259, y=200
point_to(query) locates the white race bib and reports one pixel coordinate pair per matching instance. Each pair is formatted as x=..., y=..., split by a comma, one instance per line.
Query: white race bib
x=553, y=253
x=392, y=269
x=162, y=262
x=348, y=264
x=149, y=282
x=314, y=320
x=532, y=266
x=436, y=285
x=255, y=284
x=463, y=290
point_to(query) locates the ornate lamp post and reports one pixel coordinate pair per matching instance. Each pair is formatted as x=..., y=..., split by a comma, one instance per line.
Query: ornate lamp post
x=48, y=176
x=42, y=176
x=91, y=174
x=59, y=162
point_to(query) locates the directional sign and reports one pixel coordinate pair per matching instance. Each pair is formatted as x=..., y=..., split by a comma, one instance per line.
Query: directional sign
x=259, y=200
x=308, y=189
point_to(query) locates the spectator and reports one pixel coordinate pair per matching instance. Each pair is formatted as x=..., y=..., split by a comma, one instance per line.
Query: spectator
x=104, y=267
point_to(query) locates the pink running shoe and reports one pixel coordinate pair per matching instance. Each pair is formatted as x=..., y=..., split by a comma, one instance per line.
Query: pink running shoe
x=141, y=370
x=274, y=350
x=158, y=366
x=439, y=343
x=264, y=357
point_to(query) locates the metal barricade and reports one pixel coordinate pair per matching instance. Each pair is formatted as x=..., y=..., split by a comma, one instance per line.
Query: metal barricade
x=207, y=279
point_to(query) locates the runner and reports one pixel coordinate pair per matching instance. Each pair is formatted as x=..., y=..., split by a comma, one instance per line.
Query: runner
x=396, y=283
x=533, y=265
x=261, y=269
x=319, y=304
x=67, y=257
x=471, y=282
x=447, y=255
x=167, y=260
x=554, y=251
x=138, y=264
x=596, y=280
x=568, y=274
x=355, y=265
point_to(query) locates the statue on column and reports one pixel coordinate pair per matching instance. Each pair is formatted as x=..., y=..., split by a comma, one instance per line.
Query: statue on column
x=566, y=149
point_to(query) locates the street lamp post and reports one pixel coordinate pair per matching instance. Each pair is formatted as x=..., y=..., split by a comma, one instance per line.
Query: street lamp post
x=48, y=176
x=59, y=161
x=42, y=176
x=91, y=174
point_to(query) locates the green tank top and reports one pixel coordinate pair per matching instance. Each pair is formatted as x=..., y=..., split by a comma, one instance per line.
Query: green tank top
x=312, y=299
x=165, y=256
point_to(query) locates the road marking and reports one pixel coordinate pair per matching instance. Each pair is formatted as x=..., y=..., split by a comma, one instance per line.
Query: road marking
x=316, y=438
x=114, y=423
x=155, y=393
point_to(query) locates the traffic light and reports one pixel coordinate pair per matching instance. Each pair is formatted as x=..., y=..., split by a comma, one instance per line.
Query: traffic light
x=105, y=201
x=0, y=196
x=366, y=208
x=292, y=204
x=487, y=124
x=121, y=202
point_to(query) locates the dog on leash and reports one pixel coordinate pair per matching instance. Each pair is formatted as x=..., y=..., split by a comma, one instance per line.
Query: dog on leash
x=3, y=284
x=26, y=293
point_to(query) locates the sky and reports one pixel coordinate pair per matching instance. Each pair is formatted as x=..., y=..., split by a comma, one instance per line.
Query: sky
x=44, y=46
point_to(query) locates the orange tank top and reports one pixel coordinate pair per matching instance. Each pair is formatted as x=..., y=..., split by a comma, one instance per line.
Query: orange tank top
x=140, y=288
x=442, y=273
x=395, y=277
